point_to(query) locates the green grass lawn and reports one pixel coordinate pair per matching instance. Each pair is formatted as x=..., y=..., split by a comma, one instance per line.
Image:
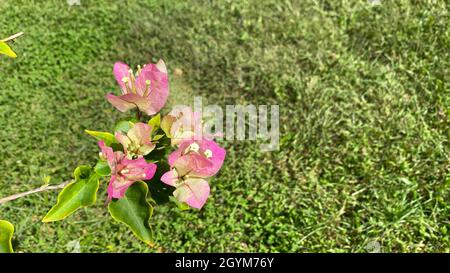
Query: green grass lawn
x=364, y=101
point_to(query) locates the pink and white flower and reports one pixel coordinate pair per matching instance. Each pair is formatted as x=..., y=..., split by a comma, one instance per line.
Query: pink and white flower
x=124, y=171
x=147, y=90
x=137, y=141
x=183, y=124
x=190, y=165
x=199, y=152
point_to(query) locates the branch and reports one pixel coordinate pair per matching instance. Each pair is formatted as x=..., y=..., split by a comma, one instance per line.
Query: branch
x=12, y=37
x=40, y=189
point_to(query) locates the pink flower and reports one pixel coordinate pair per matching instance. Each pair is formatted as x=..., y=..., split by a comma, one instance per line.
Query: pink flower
x=137, y=141
x=148, y=91
x=124, y=172
x=190, y=189
x=183, y=124
x=199, y=152
x=190, y=164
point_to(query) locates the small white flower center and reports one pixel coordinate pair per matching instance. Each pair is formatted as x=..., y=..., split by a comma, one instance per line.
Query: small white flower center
x=208, y=153
x=194, y=147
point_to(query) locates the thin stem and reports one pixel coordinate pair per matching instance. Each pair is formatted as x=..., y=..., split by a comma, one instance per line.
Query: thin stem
x=138, y=114
x=12, y=37
x=40, y=189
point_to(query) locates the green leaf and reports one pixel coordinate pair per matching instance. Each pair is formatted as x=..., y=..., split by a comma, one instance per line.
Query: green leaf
x=123, y=126
x=6, y=233
x=155, y=122
x=134, y=211
x=108, y=138
x=78, y=194
x=157, y=137
x=82, y=172
x=5, y=49
x=102, y=168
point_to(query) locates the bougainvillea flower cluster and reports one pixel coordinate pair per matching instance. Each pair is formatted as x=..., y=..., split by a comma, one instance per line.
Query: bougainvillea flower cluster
x=197, y=157
x=148, y=162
